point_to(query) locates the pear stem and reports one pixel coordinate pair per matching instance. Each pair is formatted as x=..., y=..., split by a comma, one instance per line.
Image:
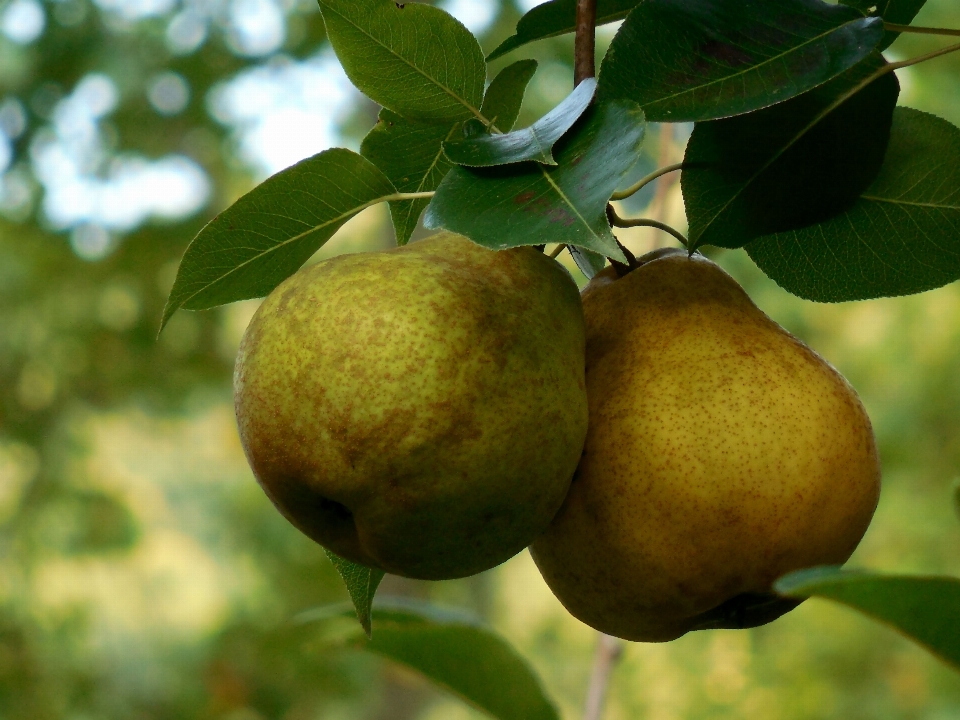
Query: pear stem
x=609, y=652
x=618, y=221
x=585, y=45
x=641, y=184
x=555, y=253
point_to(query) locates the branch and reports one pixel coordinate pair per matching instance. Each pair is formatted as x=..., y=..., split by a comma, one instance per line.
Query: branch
x=585, y=48
x=609, y=652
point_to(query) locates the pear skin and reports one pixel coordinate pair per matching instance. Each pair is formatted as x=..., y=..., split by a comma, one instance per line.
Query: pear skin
x=722, y=453
x=419, y=410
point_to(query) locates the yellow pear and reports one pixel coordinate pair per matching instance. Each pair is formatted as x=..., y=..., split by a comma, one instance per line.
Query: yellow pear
x=722, y=452
x=419, y=410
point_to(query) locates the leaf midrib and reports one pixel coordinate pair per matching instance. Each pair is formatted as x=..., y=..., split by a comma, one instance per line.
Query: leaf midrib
x=793, y=141
x=752, y=68
x=475, y=111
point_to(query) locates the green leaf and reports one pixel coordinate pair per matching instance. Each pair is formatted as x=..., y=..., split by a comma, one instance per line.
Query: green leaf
x=533, y=143
x=411, y=58
x=362, y=583
x=410, y=153
x=558, y=17
x=898, y=12
x=956, y=496
x=263, y=238
x=531, y=204
x=789, y=165
x=925, y=609
x=690, y=60
x=458, y=653
x=901, y=237
x=590, y=263
x=502, y=101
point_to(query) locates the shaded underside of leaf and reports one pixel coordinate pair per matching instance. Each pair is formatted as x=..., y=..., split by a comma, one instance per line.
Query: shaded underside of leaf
x=590, y=263
x=924, y=609
x=789, y=165
x=534, y=143
x=410, y=153
x=504, y=97
x=412, y=58
x=530, y=204
x=691, y=60
x=263, y=238
x=901, y=237
x=362, y=583
x=898, y=12
x=558, y=17
x=457, y=652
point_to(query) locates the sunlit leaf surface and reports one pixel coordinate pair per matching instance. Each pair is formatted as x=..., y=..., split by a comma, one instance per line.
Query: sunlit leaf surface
x=260, y=241
x=412, y=58
x=925, y=609
x=534, y=143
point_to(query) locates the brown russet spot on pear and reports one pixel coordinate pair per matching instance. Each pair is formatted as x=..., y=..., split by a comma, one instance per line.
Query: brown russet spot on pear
x=722, y=453
x=420, y=410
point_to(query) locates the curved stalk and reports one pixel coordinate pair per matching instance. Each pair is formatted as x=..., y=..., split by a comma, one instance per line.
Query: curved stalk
x=647, y=222
x=643, y=182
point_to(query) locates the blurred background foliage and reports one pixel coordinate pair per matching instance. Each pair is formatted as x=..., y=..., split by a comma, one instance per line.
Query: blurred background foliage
x=143, y=574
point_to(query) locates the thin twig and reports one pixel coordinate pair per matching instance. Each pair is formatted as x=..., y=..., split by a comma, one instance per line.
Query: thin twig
x=892, y=27
x=922, y=58
x=609, y=652
x=643, y=182
x=585, y=47
x=557, y=250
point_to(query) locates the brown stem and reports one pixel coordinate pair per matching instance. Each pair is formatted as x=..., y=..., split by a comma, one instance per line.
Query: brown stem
x=609, y=652
x=585, y=47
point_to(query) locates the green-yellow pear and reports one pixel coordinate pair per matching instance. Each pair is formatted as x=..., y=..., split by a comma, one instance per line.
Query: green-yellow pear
x=420, y=410
x=722, y=453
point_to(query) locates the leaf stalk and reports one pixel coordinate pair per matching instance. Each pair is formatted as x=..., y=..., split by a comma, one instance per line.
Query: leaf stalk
x=893, y=27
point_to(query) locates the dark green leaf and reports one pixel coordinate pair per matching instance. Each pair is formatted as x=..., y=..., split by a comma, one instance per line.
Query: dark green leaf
x=263, y=238
x=558, y=17
x=923, y=608
x=530, y=204
x=362, y=583
x=590, y=263
x=457, y=652
x=502, y=101
x=686, y=60
x=413, y=59
x=898, y=12
x=902, y=236
x=789, y=165
x=533, y=143
x=956, y=496
x=410, y=153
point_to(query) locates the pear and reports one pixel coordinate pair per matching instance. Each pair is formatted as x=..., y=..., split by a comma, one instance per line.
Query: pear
x=419, y=410
x=722, y=453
